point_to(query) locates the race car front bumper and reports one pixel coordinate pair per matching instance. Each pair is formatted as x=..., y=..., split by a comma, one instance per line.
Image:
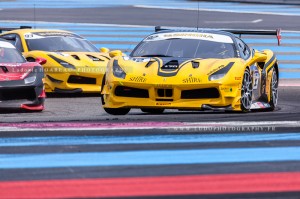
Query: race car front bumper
x=73, y=83
x=214, y=96
x=18, y=95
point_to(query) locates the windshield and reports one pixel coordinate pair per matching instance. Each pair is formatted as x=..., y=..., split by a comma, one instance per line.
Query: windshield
x=186, y=48
x=58, y=43
x=10, y=55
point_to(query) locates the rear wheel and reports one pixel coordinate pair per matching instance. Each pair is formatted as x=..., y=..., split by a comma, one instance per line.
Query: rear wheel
x=274, y=90
x=246, y=92
x=117, y=111
x=153, y=110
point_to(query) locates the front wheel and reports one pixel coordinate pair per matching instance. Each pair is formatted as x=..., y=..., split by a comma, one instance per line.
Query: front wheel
x=117, y=111
x=274, y=90
x=246, y=92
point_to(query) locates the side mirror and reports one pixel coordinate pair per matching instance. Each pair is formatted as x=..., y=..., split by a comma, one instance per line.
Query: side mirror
x=104, y=50
x=115, y=53
x=40, y=60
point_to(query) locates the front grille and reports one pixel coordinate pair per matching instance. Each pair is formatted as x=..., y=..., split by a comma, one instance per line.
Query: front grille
x=200, y=93
x=123, y=91
x=73, y=79
x=164, y=92
x=17, y=94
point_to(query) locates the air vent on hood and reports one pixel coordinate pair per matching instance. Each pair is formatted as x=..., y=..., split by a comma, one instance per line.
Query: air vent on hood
x=75, y=57
x=171, y=65
x=94, y=58
x=149, y=64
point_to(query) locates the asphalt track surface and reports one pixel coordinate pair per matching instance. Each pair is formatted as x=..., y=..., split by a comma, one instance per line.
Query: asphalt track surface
x=75, y=150
x=87, y=107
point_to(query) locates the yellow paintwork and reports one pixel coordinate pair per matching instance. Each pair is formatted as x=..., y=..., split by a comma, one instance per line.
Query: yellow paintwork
x=85, y=67
x=187, y=78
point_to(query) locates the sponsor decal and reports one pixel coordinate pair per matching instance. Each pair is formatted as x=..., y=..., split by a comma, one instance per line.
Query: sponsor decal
x=263, y=88
x=261, y=105
x=39, y=35
x=254, y=106
x=163, y=103
x=163, y=86
x=170, y=66
x=195, y=35
x=190, y=35
x=151, y=37
x=255, y=79
x=226, y=89
x=238, y=78
x=137, y=79
x=191, y=80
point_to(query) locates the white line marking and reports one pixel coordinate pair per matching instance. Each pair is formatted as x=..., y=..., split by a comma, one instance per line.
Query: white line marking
x=75, y=24
x=248, y=123
x=257, y=21
x=186, y=125
x=231, y=22
x=288, y=85
x=216, y=10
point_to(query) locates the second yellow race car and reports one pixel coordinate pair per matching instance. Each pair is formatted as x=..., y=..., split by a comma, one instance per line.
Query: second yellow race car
x=192, y=70
x=73, y=63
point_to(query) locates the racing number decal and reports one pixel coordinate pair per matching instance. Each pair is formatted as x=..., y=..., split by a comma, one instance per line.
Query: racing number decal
x=256, y=79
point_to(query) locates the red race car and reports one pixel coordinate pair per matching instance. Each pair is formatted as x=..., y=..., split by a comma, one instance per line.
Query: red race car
x=21, y=82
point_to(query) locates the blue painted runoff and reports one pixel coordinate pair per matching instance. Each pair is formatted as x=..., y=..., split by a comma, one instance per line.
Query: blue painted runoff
x=202, y=138
x=144, y=158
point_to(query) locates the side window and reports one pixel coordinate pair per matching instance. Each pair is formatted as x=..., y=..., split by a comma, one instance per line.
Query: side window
x=18, y=43
x=243, y=48
x=15, y=40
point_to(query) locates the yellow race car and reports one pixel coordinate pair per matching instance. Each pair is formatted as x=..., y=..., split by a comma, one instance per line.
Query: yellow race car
x=192, y=70
x=73, y=63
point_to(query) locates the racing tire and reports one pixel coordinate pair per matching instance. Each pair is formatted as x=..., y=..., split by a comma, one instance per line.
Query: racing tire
x=117, y=111
x=246, y=91
x=153, y=110
x=274, y=91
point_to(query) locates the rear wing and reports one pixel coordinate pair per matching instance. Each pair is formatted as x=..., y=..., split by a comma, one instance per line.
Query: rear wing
x=2, y=29
x=276, y=32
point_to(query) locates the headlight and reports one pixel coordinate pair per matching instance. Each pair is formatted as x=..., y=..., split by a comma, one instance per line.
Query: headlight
x=118, y=71
x=216, y=76
x=29, y=80
x=220, y=73
x=62, y=62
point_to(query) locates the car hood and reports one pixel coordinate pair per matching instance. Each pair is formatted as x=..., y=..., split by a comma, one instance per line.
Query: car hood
x=171, y=67
x=77, y=59
x=16, y=71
